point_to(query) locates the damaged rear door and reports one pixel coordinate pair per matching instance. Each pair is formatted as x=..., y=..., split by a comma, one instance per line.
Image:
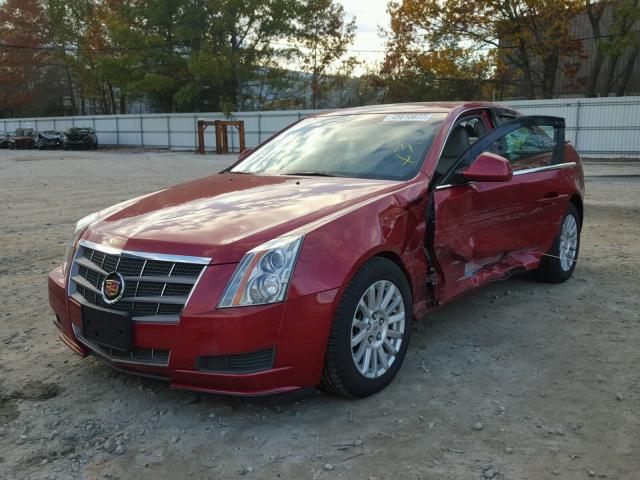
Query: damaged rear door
x=485, y=229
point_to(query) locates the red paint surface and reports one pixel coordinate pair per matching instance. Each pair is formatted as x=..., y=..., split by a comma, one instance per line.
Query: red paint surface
x=483, y=231
x=489, y=167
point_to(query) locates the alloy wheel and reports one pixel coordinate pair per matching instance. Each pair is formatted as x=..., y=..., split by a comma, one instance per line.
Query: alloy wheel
x=377, y=329
x=568, y=242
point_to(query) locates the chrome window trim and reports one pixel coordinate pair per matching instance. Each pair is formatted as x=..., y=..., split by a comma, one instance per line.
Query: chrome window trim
x=449, y=185
x=146, y=255
x=451, y=129
x=557, y=166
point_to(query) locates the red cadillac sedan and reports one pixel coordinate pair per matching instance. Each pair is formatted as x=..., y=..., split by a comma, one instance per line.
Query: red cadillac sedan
x=307, y=261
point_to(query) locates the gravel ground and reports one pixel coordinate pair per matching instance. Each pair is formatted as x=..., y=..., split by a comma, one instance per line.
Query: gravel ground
x=518, y=380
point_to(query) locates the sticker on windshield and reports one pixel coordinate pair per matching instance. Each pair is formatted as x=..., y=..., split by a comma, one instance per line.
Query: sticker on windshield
x=408, y=117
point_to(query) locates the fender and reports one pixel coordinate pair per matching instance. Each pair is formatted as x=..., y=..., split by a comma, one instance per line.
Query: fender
x=335, y=248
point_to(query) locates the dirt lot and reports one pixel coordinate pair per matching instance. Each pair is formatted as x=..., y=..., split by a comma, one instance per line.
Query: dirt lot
x=519, y=380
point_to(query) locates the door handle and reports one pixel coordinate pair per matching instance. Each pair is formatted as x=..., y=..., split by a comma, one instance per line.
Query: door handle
x=550, y=198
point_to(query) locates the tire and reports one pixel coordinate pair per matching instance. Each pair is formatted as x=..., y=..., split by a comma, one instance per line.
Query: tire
x=561, y=261
x=341, y=374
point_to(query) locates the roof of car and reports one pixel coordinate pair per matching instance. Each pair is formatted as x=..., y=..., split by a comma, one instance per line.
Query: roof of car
x=415, y=107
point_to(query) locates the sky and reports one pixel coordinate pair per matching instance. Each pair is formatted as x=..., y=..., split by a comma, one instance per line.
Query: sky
x=370, y=14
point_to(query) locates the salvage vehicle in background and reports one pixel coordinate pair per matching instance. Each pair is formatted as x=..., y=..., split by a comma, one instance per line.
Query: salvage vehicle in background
x=80, y=137
x=4, y=139
x=23, y=138
x=307, y=261
x=49, y=139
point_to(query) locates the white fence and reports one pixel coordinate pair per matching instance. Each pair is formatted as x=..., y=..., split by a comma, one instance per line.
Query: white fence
x=598, y=127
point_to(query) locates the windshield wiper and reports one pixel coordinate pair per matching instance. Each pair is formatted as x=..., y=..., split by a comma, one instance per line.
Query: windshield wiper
x=314, y=174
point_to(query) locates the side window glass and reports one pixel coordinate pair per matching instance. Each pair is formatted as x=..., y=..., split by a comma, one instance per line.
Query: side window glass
x=527, y=147
x=502, y=119
x=474, y=127
x=465, y=133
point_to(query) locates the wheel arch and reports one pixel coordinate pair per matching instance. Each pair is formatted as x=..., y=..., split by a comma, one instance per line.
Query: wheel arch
x=576, y=201
x=395, y=258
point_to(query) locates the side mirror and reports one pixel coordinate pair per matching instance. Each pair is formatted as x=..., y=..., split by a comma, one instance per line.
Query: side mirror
x=489, y=167
x=245, y=153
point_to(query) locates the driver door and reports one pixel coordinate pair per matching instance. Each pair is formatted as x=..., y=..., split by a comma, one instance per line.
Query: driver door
x=483, y=230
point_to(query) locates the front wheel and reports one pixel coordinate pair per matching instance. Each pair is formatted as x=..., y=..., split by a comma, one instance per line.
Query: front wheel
x=559, y=263
x=371, y=330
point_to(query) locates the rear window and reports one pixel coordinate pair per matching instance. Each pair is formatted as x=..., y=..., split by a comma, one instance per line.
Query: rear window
x=23, y=132
x=80, y=130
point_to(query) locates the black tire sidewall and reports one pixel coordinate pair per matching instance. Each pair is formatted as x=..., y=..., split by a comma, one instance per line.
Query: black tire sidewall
x=355, y=383
x=554, y=267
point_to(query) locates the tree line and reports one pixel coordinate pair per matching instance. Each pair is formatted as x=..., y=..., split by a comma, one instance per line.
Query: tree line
x=523, y=48
x=85, y=56
x=115, y=56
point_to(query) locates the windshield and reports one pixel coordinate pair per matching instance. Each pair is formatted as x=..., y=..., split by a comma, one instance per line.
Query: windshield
x=384, y=146
x=23, y=132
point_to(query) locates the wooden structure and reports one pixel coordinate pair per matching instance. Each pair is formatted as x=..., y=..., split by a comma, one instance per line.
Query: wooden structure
x=222, y=137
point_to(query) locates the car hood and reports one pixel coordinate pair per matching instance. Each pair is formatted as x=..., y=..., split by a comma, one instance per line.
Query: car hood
x=223, y=216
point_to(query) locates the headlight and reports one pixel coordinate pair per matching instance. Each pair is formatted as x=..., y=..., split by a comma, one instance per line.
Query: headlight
x=264, y=274
x=80, y=226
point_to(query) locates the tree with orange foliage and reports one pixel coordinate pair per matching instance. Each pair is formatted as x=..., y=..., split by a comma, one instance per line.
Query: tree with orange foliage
x=527, y=41
x=23, y=61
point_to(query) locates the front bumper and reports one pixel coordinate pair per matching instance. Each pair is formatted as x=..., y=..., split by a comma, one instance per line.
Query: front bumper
x=49, y=144
x=22, y=144
x=77, y=144
x=295, y=331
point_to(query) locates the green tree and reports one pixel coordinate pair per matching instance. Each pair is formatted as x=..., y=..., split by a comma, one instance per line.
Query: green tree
x=206, y=53
x=96, y=46
x=621, y=46
x=324, y=36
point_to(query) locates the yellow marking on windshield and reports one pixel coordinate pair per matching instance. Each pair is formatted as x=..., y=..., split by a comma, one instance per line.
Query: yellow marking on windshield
x=407, y=159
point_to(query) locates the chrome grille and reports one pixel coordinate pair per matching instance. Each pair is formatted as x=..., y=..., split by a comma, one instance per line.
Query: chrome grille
x=155, y=290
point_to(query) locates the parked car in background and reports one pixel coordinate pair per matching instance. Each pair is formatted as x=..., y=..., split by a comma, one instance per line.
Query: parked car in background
x=49, y=139
x=80, y=137
x=23, y=138
x=4, y=139
x=307, y=261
